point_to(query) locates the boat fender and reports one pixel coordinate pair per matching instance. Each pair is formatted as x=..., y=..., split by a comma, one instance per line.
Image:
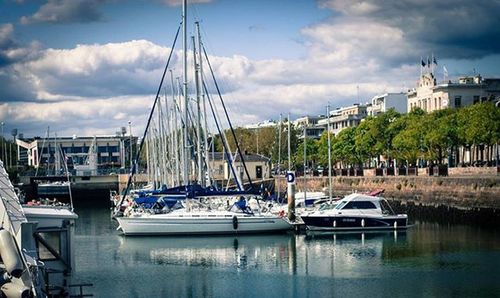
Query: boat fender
x=281, y=214
x=334, y=223
x=395, y=224
x=5, y=278
x=235, y=222
x=11, y=289
x=10, y=254
x=363, y=223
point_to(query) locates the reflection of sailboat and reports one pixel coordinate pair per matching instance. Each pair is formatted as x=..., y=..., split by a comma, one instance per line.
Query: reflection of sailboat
x=213, y=251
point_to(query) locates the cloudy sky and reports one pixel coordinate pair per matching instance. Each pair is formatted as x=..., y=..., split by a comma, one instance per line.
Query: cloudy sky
x=87, y=67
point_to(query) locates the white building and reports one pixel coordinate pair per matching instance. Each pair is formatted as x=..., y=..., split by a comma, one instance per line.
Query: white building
x=344, y=117
x=109, y=151
x=310, y=123
x=383, y=102
x=431, y=96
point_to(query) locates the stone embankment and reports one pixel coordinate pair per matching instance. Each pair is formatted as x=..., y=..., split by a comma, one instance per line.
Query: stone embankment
x=465, y=192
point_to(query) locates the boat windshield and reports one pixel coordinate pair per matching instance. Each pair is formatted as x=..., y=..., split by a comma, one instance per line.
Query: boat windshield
x=341, y=205
x=327, y=206
x=386, y=208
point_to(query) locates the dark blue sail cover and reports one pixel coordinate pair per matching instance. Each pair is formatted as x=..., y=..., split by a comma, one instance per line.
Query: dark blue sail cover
x=194, y=191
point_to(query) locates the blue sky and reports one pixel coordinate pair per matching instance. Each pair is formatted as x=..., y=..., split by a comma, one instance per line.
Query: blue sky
x=89, y=66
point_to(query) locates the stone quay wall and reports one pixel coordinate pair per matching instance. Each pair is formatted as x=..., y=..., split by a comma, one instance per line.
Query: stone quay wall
x=464, y=192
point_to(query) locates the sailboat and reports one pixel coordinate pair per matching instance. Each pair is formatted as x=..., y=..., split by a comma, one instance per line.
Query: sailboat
x=53, y=187
x=191, y=205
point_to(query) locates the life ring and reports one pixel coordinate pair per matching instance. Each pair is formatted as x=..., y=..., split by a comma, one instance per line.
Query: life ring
x=235, y=222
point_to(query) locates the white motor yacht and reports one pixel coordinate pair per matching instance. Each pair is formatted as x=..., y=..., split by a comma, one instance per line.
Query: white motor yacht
x=355, y=212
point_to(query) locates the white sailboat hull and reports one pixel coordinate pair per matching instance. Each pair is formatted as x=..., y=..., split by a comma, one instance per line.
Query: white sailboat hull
x=201, y=224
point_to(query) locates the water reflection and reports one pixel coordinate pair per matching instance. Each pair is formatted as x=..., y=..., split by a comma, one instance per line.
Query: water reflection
x=429, y=259
x=264, y=253
x=277, y=254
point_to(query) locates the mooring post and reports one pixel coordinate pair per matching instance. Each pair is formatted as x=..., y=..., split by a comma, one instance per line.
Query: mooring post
x=290, y=179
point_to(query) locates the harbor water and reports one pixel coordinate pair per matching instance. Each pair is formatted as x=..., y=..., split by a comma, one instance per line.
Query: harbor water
x=429, y=260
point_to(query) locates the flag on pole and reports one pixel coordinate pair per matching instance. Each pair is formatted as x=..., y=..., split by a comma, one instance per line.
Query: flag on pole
x=435, y=61
x=428, y=62
x=445, y=71
x=422, y=62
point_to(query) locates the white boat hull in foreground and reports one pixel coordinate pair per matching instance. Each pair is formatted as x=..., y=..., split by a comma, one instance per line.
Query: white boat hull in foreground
x=205, y=223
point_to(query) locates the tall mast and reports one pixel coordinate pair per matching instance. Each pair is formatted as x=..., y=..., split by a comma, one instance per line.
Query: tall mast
x=56, y=156
x=279, y=155
x=167, y=140
x=205, y=131
x=289, y=154
x=198, y=117
x=185, y=178
x=305, y=162
x=175, y=148
x=329, y=154
x=180, y=140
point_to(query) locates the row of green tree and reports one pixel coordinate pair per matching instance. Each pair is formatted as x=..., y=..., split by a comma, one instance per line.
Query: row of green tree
x=405, y=138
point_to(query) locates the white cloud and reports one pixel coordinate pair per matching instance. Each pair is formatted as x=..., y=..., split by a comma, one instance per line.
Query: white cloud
x=65, y=11
x=102, y=86
x=6, y=34
x=92, y=87
x=97, y=116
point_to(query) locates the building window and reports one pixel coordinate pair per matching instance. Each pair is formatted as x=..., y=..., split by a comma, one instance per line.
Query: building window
x=258, y=172
x=458, y=101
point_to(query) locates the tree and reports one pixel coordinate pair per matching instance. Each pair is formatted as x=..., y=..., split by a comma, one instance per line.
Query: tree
x=365, y=139
x=408, y=130
x=384, y=131
x=344, y=148
x=478, y=125
x=440, y=133
x=311, y=154
x=323, y=149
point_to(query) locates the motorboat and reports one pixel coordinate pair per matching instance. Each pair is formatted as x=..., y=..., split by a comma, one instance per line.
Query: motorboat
x=191, y=217
x=355, y=212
